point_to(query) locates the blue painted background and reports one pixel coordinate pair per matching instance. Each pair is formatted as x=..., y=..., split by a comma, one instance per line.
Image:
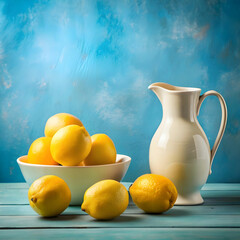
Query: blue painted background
x=95, y=59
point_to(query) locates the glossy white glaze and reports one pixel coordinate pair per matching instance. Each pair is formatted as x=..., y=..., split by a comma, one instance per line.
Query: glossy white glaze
x=179, y=149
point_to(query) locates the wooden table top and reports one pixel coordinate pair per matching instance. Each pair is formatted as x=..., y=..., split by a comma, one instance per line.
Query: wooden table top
x=217, y=218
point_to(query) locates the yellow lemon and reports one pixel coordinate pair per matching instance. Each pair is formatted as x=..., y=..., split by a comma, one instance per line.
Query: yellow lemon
x=39, y=152
x=24, y=159
x=103, y=151
x=81, y=164
x=153, y=193
x=49, y=196
x=106, y=199
x=70, y=145
x=59, y=121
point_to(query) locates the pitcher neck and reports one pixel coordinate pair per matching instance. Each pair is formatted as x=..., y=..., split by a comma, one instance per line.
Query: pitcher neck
x=180, y=105
x=177, y=102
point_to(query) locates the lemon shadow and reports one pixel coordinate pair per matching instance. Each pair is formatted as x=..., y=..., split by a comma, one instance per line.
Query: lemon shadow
x=60, y=218
x=171, y=213
x=122, y=218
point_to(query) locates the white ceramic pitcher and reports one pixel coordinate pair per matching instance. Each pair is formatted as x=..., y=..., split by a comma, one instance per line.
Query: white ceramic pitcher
x=179, y=149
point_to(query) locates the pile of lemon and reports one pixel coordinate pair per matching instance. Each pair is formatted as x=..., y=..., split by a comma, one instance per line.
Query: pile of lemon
x=68, y=143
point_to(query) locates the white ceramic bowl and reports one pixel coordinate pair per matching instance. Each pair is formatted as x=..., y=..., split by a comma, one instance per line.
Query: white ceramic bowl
x=78, y=178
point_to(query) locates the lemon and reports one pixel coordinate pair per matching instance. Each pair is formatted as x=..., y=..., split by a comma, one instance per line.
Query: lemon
x=103, y=151
x=24, y=159
x=59, y=121
x=81, y=164
x=39, y=152
x=70, y=145
x=106, y=199
x=49, y=196
x=153, y=193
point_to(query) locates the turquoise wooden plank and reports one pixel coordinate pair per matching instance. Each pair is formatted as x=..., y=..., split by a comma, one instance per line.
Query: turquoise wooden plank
x=116, y=233
x=216, y=197
x=123, y=221
x=19, y=196
x=26, y=210
x=14, y=196
x=13, y=185
x=220, y=194
x=25, y=185
x=208, y=186
x=222, y=186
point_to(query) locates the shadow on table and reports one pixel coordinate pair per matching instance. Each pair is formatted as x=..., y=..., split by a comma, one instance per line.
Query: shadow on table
x=121, y=218
x=174, y=212
x=208, y=201
x=60, y=218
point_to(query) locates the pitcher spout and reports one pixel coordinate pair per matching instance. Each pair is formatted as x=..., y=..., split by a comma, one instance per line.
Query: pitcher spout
x=157, y=89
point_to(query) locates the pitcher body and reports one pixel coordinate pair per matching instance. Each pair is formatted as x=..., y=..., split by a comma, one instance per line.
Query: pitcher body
x=179, y=149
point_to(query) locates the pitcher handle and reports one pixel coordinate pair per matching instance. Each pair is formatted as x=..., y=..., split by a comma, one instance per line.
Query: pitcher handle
x=223, y=121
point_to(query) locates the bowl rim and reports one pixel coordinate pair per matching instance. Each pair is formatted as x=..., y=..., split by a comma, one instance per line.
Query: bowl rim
x=121, y=156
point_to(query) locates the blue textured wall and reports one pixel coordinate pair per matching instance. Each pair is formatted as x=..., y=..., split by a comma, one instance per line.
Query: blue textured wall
x=95, y=59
